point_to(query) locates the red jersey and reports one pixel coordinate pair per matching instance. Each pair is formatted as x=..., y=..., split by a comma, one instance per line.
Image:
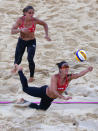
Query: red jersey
x=62, y=87
x=31, y=29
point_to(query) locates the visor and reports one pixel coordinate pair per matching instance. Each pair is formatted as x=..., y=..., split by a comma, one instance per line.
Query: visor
x=62, y=64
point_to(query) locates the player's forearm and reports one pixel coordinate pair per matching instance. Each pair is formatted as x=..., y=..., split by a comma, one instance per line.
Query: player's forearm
x=46, y=29
x=82, y=73
x=15, y=31
x=58, y=95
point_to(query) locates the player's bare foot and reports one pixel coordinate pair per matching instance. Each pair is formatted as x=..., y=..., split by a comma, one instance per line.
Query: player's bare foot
x=18, y=68
x=31, y=79
x=19, y=101
x=14, y=69
x=22, y=103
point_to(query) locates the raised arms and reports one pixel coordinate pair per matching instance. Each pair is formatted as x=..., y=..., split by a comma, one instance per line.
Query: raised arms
x=82, y=73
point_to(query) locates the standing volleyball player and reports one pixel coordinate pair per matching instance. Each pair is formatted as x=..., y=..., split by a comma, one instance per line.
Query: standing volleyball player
x=26, y=26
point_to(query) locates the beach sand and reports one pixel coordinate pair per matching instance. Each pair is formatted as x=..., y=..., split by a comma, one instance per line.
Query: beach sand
x=73, y=24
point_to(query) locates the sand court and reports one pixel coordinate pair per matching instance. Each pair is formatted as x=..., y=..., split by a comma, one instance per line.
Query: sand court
x=72, y=25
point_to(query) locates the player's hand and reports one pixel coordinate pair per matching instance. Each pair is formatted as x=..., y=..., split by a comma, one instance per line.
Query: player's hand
x=67, y=98
x=90, y=68
x=47, y=38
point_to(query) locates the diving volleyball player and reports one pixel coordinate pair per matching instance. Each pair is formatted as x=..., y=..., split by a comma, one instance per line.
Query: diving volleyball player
x=26, y=26
x=59, y=83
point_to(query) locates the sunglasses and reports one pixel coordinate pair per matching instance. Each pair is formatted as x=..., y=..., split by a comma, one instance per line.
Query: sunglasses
x=30, y=12
x=65, y=67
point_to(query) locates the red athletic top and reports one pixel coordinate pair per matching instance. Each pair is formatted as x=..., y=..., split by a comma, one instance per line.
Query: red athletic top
x=62, y=87
x=31, y=29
